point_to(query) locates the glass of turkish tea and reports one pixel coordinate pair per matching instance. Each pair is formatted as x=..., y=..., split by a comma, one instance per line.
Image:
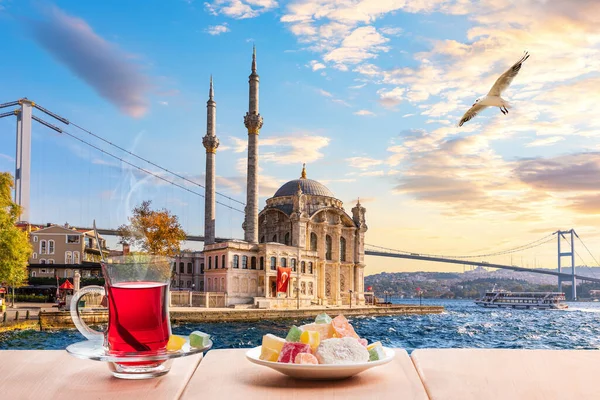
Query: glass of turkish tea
x=137, y=291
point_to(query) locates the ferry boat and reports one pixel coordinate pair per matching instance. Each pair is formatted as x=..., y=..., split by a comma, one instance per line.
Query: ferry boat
x=523, y=300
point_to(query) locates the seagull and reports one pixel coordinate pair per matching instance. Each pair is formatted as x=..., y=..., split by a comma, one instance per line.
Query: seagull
x=493, y=99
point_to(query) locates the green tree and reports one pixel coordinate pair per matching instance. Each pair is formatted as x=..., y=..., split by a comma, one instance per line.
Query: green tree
x=156, y=232
x=15, y=248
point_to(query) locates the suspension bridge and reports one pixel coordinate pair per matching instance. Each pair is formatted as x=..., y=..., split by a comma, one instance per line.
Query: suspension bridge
x=23, y=111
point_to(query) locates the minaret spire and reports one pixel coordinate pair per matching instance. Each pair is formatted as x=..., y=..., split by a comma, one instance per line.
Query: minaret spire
x=210, y=142
x=253, y=122
x=303, y=175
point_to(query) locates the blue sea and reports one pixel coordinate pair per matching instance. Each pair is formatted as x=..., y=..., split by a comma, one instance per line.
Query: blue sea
x=462, y=325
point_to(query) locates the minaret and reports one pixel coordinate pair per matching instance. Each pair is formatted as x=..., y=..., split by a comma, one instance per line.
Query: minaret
x=253, y=122
x=211, y=143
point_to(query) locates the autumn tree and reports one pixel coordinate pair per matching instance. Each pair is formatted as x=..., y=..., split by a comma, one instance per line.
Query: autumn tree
x=15, y=248
x=156, y=232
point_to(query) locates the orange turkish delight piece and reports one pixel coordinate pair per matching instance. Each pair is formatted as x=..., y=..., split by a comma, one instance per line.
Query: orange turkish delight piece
x=305, y=358
x=325, y=330
x=342, y=327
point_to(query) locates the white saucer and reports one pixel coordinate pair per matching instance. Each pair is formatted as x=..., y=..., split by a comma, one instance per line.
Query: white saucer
x=321, y=371
x=95, y=350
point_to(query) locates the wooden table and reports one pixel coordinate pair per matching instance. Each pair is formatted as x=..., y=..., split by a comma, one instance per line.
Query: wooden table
x=226, y=374
x=489, y=374
x=54, y=374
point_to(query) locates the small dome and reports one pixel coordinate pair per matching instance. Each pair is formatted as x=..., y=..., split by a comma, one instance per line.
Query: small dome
x=308, y=186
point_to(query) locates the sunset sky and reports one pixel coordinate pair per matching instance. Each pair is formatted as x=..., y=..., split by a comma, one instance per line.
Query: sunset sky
x=367, y=93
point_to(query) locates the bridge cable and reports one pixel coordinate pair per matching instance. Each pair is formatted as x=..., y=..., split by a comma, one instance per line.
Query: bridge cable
x=513, y=250
x=145, y=170
x=588, y=250
x=152, y=163
x=581, y=258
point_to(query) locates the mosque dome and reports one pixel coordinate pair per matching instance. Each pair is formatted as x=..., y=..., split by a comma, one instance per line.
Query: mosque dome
x=308, y=186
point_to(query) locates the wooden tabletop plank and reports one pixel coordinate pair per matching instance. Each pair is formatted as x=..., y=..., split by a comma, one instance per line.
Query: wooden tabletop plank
x=54, y=374
x=226, y=374
x=489, y=374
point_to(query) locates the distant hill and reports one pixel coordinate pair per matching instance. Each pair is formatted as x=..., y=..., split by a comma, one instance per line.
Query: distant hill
x=471, y=284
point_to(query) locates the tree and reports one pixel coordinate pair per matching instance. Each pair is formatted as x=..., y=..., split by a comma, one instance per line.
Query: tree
x=15, y=248
x=156, y=232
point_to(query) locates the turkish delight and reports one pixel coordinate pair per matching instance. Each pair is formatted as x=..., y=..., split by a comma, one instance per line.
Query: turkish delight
x=342, y=327
x=346, y=350
x=311, y=338
x=323, y=319
x=271, y=347
x=199, y=339
x=294, y=334
x=290, y=350
x=376, y=352
x=325, y=330
x=305, y=358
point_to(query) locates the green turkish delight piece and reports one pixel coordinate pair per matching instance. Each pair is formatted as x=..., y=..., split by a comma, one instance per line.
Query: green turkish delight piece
x=199, y=339
x=323, y=319
x=294, y=334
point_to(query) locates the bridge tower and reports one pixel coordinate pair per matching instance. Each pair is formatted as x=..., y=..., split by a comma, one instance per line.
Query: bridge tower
x=23, y=154
x=560, y=234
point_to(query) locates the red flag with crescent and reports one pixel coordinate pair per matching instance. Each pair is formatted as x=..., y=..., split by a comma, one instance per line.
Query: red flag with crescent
x=283, y=278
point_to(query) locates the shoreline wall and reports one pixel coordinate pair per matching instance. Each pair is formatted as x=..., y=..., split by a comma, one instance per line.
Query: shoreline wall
x=62, y=320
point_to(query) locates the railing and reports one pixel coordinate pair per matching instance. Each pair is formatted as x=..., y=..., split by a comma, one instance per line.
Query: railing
x=198, y=299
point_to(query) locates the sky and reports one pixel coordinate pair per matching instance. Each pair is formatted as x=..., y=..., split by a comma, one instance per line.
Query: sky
x=367, y=93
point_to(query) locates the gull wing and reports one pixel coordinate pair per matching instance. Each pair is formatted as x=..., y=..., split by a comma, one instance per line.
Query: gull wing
x=506, y=78
x=471, y=113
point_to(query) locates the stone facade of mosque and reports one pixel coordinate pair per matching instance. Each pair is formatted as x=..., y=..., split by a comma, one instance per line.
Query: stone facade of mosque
x=303, y=227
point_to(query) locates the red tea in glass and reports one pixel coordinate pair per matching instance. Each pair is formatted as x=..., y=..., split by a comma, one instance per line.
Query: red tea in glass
x=138, y=317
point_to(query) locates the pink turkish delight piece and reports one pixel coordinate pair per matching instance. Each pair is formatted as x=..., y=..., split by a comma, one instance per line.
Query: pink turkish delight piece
x=364, y=342
x=290, y=350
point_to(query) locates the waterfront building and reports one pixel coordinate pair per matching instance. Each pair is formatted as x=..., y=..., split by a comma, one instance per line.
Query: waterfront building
x=60, y=251
x=303, y=227
x=188, y=271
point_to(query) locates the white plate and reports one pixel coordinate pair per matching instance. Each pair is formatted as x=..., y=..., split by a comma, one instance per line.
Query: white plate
x=321, y=371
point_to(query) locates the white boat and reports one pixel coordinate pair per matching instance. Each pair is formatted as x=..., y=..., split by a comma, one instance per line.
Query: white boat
x=522, y=300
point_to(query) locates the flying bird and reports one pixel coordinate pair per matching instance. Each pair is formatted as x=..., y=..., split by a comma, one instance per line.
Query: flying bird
x=493, y=99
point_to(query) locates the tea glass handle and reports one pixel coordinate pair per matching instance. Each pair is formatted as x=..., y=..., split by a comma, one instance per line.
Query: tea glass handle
x=85, y=330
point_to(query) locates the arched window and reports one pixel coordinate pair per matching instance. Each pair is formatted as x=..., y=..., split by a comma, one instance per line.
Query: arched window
x=35, y=239
x=43, y=247
x=273, y=263
x=303, y=267
x=283, y=262
x=262, y=263
x=313, y=241
x=202, y=286
x=293, y=265
x=274, y=238
x=42, y=261
x=34, y=256
x=50, y=261
x=209, y=286
x=236, y=261
x=222, y=284
x=190, y=268
x=262, y=239
x=182, y=268
x=216, y=262
x=310, y=268
x=253, y=263
x=175, y=266
x=342, y=249
x=310, y=288
x=209, y=262
x=223, y=261
x=244, y=262
x=189, y=284
x=76, y=257
x=287, y=239
x=50, y=246
x=202, y=268
x=68, y=257
x=328, y=247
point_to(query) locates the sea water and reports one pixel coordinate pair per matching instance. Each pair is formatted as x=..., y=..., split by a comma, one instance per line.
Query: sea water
x=461, y=325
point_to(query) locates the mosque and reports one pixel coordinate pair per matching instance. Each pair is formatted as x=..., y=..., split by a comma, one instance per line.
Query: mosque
x=302, y=227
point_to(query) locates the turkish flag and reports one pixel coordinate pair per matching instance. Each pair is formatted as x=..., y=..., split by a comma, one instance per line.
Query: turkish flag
x=283, y=278
x=369, y=288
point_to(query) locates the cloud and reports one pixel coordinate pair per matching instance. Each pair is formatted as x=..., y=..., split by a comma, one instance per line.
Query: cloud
x=315, y=65
x=391, y=98
x=372, y=173
x=364, y=112
x=217, y=29
x=362, y=44
x=324, y=93
x=545, y=141
x=290, y=149
x=574, y=172
x=101, y=64
x=240, y=9
x=589, y=204
x=363, y=162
